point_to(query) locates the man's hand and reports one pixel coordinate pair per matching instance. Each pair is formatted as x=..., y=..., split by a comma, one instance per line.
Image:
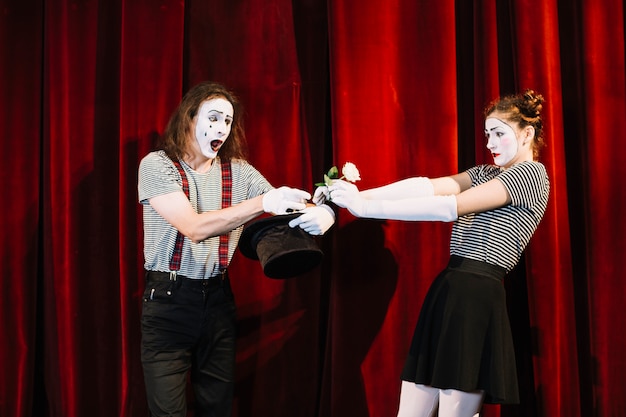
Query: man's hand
x=315, y=220
x=284, y=200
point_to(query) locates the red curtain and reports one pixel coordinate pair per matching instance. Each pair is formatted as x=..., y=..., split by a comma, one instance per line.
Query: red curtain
x=396, y=88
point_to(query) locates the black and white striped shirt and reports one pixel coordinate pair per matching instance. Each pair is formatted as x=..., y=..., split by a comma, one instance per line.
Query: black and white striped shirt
x=500, y=236
x=157, y=176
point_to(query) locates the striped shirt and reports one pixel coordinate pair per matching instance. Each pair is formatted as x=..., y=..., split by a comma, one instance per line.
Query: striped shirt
x=500, y=236
x=157, y=176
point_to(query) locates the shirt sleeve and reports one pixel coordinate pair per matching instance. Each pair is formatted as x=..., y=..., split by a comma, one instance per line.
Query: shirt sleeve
x=527, y=184
x=157, y=176
x=257, y=184
x=482, y=173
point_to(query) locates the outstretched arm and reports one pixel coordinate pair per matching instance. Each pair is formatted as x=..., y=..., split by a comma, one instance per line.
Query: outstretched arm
x=453, y=184
x=177, y=210
x=453, y=197
x=408, y=188
x=484, y=197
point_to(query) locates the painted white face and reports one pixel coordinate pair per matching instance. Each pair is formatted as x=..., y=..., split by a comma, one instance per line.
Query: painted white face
x=213, y=123
x=501, y=141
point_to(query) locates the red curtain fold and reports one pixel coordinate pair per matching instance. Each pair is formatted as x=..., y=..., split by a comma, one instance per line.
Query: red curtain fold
x=548, y=258
x=80, y=325
x=397, y=89
x=394, y=115
x=149, y=53
x=112, y=76
x=20, y=211
x=602, y=149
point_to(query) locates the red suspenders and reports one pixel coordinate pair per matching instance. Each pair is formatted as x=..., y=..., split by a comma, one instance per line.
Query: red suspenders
x=227, y=191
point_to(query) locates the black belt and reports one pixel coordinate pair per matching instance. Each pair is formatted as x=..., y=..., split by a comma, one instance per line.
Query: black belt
x=185, y=281
x=476, y=267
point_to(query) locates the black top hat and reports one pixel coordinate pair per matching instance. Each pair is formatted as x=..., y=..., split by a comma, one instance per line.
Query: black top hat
x=284, y=252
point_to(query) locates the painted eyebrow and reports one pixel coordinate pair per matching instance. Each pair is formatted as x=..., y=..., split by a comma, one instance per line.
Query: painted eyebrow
x=220, y=112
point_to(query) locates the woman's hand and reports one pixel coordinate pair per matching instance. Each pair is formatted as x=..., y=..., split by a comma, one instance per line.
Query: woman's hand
x=346, y=195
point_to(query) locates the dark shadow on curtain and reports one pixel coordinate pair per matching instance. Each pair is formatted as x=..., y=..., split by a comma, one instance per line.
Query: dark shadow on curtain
x=365, y=279
x=506, y=51
x=40, y=399
x=278, y=352
x=107, y=345
x=574, y=126
x=132, y=248
x=524, y=341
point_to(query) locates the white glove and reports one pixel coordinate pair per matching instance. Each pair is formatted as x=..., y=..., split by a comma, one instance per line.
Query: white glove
x=442, y=208
x=408, y=188
x=284, y=200
x=320, y=196
x=315, y=220
x=346, y=195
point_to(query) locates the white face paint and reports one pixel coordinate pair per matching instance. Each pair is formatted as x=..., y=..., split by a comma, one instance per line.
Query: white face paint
x=213, y=123
x=501, y=141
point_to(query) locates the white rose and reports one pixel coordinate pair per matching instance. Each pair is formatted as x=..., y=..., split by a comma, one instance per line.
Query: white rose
x=351, y=172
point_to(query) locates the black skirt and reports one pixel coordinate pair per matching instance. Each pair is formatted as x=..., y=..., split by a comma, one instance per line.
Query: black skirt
x=462, y=339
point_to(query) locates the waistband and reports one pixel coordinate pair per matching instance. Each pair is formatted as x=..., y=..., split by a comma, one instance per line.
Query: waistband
x=460, y=263
x=185, y=281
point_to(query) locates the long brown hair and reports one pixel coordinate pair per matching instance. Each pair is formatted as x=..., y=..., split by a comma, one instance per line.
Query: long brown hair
x=179, y=128
x=525, y=110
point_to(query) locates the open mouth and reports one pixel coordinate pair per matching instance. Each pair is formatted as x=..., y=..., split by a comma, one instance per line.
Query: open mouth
x=216, y=145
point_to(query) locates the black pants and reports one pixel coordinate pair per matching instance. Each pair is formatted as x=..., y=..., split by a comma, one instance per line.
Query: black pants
x=188, y=325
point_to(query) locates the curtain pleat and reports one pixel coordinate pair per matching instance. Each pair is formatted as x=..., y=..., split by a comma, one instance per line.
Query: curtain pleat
x=396, y=88
x=20, y=211
x=394, y=112
x=604, y=70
